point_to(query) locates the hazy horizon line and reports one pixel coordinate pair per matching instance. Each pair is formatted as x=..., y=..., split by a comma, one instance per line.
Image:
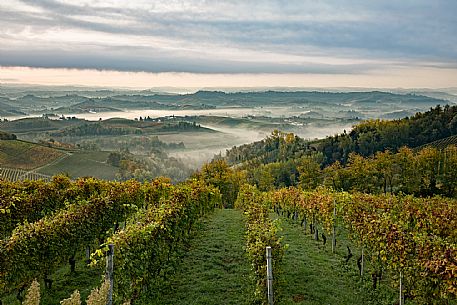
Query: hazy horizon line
x=221, y=88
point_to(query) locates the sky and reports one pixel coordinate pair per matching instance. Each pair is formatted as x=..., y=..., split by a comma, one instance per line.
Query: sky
x=236, y=43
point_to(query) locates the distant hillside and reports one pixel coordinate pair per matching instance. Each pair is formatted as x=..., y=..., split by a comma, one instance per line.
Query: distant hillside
x=37, y=124
x=82, y=102
x=398, y=114
x=250, y=99
x=26, y=155
x=7, y=109
x=372, y=136
x=120, y=126
x=96, y=105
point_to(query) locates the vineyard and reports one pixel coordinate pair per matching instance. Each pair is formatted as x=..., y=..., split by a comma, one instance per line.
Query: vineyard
x=399, y=241
x=442, y=143
x=62, y=218
x=26, y=155
x=14, y=174
x=413, y=240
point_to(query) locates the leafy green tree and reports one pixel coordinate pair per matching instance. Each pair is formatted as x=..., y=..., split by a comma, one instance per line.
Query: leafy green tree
x=310, y=172
x=219, y=174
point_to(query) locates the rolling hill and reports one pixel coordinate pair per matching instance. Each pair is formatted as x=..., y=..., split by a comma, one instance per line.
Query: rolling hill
x=19, y=158
x=26, y=155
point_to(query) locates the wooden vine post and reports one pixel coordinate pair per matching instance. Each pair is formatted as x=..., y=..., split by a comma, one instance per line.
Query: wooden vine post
x=363, y=262
x=87, y=255
x=401, y=289
x=269, y=277
x=333, y=229
x=110, y=273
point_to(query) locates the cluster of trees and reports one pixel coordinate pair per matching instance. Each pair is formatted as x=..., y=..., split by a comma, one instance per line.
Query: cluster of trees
x=181, y=125
x=95, y=129
x=425, y=172
x=146, y=168
x=135, y=144
x=372, y=136
x=278, y=147
x=7, y=136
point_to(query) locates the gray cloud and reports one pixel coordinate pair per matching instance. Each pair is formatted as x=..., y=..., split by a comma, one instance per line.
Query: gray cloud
x=165, y=63
x=412, y=31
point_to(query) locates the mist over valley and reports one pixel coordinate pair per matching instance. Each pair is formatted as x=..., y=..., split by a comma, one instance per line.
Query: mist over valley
x=188, y=128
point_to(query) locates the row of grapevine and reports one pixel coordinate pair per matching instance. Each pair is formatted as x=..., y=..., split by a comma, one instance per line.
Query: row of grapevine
x=414, y=237
x=261, y=232
x=31, y=200
x=14, y=174
x=37, y=249
x=144, y=249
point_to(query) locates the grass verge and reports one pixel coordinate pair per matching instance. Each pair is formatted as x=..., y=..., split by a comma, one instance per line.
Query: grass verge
x=215, y=269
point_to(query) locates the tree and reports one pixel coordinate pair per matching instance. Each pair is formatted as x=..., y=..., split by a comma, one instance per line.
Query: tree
x=310, y=173
x=219, y=174
x=114, y=159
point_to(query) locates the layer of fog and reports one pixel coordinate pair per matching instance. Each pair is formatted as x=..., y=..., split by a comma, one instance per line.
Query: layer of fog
x=235, y=112
x=202, y=148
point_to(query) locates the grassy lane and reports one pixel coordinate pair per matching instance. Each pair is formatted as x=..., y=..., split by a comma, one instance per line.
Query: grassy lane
x=215, y=269
x=315, y=276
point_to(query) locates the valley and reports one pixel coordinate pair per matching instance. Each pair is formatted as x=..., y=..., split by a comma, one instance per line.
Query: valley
x=187, y=129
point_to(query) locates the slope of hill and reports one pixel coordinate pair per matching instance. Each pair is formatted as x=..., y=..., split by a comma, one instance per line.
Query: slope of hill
x=37, y=124
x=6, y=109
x=441, y=143
x=82, y=164
x=26, y=155
x=372, y=136
x=277, y=98
x=17, y=158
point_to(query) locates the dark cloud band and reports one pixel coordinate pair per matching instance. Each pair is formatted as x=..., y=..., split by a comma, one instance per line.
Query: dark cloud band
x=375, y=30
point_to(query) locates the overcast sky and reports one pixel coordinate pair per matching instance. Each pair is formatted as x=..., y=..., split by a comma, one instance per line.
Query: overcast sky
x=408, y=43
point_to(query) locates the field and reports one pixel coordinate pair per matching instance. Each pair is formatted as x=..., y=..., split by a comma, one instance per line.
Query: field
x=19, y=157
x=82, y=164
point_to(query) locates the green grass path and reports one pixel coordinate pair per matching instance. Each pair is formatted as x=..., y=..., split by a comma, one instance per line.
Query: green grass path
x=215, y=269
x=315, y=276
